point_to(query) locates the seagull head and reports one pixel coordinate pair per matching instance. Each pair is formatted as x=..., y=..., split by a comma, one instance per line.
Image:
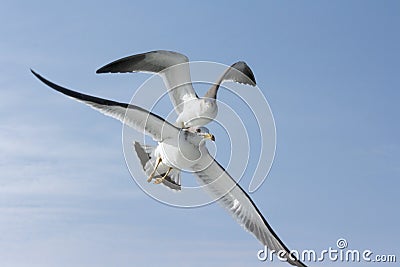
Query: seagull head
x=204, y=132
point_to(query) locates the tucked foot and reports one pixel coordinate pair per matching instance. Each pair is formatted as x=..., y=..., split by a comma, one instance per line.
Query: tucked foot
x=158, y=161
x=159, y=180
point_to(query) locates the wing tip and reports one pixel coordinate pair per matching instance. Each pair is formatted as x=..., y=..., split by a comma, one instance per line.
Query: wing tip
x=41, y=78
x=122, y=65
x=128, y=63
x=101, y=70
x=244, y=68
x=34, y=73
x=104, y=69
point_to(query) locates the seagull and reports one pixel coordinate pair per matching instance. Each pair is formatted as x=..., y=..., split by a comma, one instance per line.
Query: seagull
x=173, y=67
x=218, y=183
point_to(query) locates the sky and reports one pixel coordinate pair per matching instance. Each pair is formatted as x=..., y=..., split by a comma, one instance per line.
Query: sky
x=329, y=70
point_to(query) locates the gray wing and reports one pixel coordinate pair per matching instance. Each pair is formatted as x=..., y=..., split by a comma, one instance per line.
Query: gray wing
x=173, y=67
x=232, y=197
x=133, y=116
x=239, y=72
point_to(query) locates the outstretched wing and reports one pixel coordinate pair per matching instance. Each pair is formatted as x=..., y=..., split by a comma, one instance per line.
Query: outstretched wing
x=232, y=197
x=239, y=72
x=173, y=67
x=133, y=116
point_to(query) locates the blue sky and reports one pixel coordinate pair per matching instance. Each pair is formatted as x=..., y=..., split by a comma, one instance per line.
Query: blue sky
x=329, y=70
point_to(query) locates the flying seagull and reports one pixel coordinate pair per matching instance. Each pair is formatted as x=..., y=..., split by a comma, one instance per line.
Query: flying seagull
x=174, y=69
x=208, y=171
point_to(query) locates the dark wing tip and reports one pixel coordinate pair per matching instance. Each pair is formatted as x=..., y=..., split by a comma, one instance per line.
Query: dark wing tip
x=246, y=70
x=41, y=78
x=153, y=61
x=101, y=70
x=122, y=65
x=249, y=73
x=34, y=73
x=82, y=97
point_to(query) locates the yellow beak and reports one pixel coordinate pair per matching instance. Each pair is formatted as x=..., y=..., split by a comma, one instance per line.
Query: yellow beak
x=209, y=136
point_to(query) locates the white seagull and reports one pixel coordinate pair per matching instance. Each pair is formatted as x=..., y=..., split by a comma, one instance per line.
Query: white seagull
x=191, y=145
x=174, y=69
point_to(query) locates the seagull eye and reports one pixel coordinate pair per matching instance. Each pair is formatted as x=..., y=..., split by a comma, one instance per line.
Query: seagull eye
x=198, y=130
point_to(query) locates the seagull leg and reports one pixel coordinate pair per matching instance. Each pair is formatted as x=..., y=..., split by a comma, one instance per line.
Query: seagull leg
x=159, y=180
x=158, y=161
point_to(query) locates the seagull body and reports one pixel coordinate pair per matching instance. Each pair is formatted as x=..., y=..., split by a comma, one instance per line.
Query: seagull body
x=174, y=69
x=219, y=184
x=197, y=112
x=179, y=154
